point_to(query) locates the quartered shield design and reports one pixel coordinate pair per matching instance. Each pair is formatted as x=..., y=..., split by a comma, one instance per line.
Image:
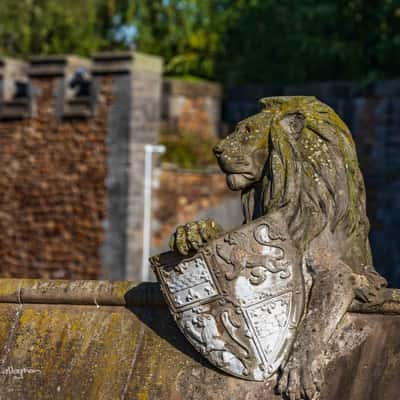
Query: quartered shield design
x=239, y=299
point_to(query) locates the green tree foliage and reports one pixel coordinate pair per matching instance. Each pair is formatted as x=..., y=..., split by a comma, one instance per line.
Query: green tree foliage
x=29, y=27
x=187, y=151
x=187, y=33
x=294, y=41
x=240, y=41
x=233, y=41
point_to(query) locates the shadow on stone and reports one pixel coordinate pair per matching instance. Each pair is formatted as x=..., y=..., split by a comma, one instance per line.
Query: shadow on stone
x=147, y=303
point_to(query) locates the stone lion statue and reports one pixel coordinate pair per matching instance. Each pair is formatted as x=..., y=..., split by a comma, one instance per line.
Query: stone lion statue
x=297, y=156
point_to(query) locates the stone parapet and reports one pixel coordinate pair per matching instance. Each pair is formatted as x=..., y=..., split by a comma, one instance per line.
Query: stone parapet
x=118, y=341
x=74, y=97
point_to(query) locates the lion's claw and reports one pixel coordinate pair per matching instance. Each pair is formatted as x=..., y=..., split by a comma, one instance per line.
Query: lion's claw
x=300, y=381
x=193, y=235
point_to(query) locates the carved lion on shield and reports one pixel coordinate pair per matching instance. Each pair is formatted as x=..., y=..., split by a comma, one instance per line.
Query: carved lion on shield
x=298, y=157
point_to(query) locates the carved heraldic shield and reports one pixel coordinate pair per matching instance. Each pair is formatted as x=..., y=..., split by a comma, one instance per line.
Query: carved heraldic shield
x=239, y=299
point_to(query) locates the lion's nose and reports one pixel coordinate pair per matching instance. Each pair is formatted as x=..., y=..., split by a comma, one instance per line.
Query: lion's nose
x=218, y=150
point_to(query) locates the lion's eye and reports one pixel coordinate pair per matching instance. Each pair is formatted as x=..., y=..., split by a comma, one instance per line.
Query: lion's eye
x=247, y=128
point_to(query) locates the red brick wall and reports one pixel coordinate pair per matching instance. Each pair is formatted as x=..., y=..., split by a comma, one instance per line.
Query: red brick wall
x=192, y=107
x=52, y=190
x=182, y=195
x=194, y=117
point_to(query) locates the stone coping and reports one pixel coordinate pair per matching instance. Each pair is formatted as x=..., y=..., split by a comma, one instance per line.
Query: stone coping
x=100, y=64
x=55, y=65
x=113, y=56
x=79, y=292
x=125, y=62
x=120, y=62
x=148, y=63
x=120, y=293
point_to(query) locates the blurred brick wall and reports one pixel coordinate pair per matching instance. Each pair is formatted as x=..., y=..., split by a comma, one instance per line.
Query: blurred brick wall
x=52, y=190
x=184, y=196
x=192, y=107
x=72, y=138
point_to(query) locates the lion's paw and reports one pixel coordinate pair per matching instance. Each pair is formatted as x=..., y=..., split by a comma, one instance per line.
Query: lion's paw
x=301, y=379
x=193, y=235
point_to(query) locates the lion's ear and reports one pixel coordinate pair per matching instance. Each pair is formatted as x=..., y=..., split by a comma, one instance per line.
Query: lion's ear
x=293, y=124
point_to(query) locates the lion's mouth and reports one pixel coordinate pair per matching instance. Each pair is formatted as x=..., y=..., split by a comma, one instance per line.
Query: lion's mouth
x=246, y=174
x=238, y=172
x=240, y=168
x=240, y=181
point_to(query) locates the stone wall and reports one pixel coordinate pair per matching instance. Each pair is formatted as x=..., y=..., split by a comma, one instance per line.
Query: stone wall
x=373, y=115
x=192, y=107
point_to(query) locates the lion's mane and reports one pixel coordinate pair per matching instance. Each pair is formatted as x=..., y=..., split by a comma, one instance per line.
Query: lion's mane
x=315, y=176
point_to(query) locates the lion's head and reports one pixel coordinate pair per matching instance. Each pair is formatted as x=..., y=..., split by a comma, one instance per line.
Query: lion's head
x=299, y=155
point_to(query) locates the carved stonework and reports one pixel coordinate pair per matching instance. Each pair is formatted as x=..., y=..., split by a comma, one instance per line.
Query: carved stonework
x=266, y=300
x=239, y=299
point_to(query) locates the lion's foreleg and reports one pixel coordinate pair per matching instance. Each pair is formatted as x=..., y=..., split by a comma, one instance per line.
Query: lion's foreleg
x=330, y=297
x=331, y=294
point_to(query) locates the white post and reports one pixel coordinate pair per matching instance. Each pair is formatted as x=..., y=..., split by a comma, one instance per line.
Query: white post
x=149, y=149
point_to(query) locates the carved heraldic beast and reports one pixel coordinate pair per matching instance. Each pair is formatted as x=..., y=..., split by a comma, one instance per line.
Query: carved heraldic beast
x=265, y=300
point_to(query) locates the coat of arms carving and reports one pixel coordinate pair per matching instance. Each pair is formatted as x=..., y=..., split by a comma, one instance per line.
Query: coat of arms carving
x=239, y=299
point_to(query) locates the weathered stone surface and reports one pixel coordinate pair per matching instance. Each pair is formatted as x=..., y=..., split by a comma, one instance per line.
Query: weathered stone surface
x=64, y=351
